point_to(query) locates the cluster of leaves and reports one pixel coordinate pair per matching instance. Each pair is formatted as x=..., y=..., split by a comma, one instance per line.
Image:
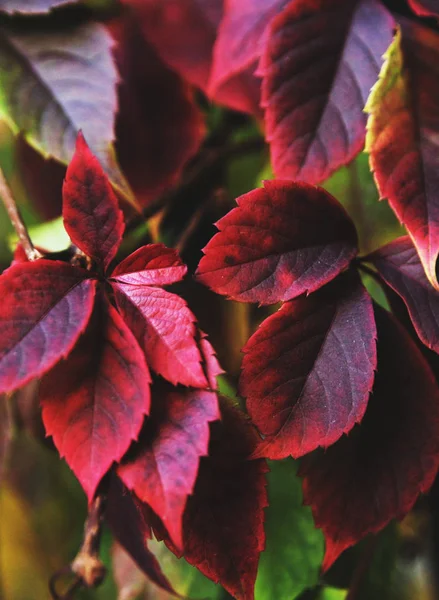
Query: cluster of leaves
x=128, y=384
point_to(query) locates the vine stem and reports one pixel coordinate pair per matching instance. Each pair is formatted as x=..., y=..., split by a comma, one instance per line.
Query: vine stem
x=87, y=568
x=17, y=219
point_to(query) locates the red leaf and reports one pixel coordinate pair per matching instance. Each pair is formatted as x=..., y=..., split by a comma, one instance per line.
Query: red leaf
x=376, y=473
x=159, y=127
x=212, y=368
x=45, y=307
x=154, y=264
x=242, y=36
x=128, y=522
x=223, y=528
x=425, y=8
x=165, y=329
x=322, y=58
x=94, y=402
x=163, y=466
x=402, y=137
x=308, y=370
x=91, y=214
x=283, y=240
x=399, y=265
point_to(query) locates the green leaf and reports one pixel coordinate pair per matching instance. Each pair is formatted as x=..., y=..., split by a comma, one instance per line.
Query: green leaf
x=294, y=548
x=50, y=236
x=330, y=593
x=54, y=82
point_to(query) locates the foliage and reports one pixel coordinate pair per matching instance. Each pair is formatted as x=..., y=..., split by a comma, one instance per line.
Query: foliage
x=130, y=123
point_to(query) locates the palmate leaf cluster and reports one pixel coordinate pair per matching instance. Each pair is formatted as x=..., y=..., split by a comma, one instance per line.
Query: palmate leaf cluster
x=140, y=124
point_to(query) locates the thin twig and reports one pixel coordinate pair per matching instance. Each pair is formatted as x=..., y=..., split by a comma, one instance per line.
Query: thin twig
x=87, y=568
x=209, y=158
x=16, y=219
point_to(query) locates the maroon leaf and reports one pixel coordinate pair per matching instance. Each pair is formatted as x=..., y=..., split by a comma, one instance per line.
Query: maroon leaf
x=242, y=36
x=399, y=265
x=223, y=529
x=94, y=402
x=128, y=521
x=45, y=307
x=308, y=370
x=90, y=209
x=29, y=7
x=159, y=127
x=165, y=329
x=154, y=264
x=163, y=466
x=283, y=240
x=322, y=58
x=376, y=473
x=425, y=8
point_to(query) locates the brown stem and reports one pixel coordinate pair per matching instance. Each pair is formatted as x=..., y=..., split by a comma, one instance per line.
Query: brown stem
x=87, y=567
x=16, y=219
x=362, y=568
x=209, y=158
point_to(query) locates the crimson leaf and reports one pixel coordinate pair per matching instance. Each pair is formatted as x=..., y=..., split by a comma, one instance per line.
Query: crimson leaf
x=154, y=264
x=165, y=329
x=94, y=402
x=402, y=137
x=376, y=473
x=283, y=240
x=90, y=208
x=223, y=530
x=45, y=307
x=322, y=58
x=308, y=370
x=425, y=8
x=163, y=466
x=399, y=265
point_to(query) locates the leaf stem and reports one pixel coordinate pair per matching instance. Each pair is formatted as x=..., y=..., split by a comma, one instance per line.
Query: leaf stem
x=16, y=219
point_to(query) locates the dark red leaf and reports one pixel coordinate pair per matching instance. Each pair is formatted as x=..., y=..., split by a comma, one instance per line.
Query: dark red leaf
x=242, y=36
x=128, y=521
x=283, y=240
x=376, y=473
x=425, y=8
x=183, y=33
x=90, y=209
x=94, y=402
x=45, y=307
x=308, y=370
x=34, y=7
x=159, y=127
x=154, y=264
x=322, y=58
x=223, y=525
x=402, y=137
x=163, y=466
x=165, y=329
x=399, y=265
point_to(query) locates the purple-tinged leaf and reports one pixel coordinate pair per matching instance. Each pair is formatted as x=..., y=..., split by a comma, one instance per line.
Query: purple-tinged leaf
x=154, y=264
x=45, y=307
x=308, y=370
x=162, y=468
x=376, y=473
x=321, y=60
